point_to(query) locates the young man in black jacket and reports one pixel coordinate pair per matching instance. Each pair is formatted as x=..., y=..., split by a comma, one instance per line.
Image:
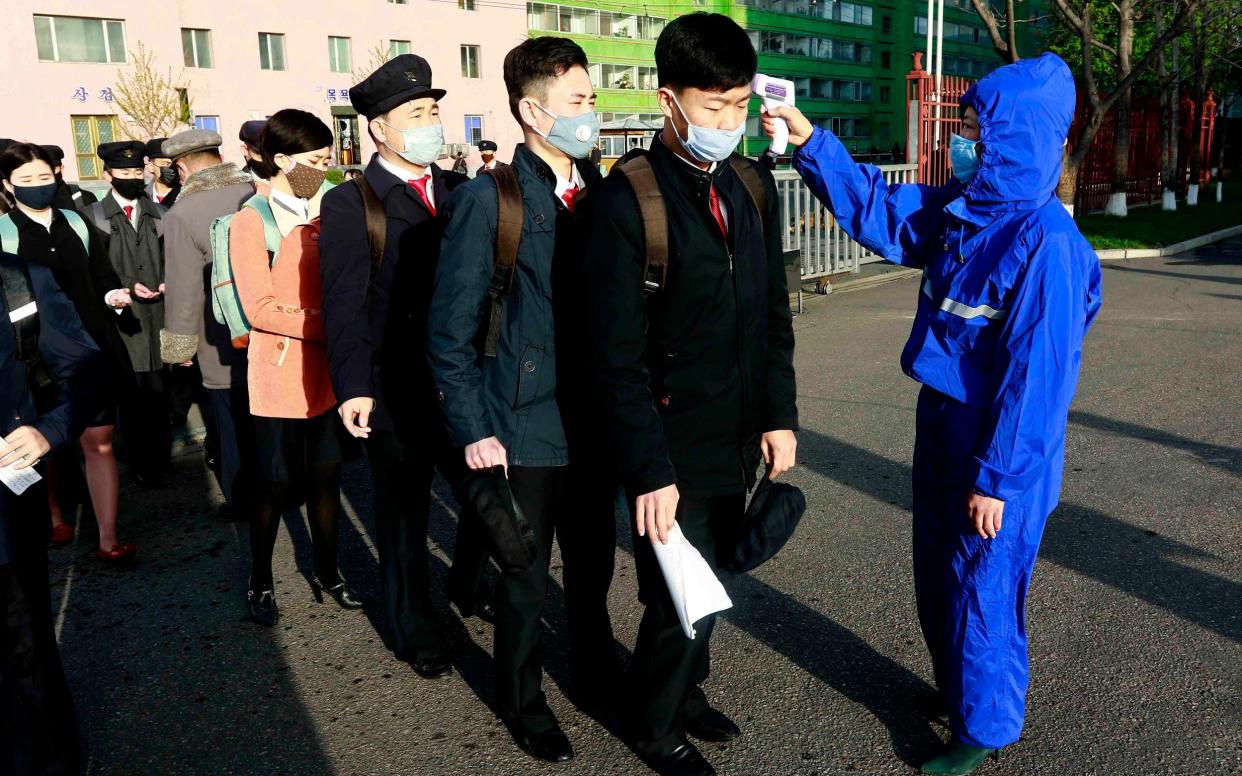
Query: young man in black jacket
x=695, y=378
x=506, y=404
x=375, y=320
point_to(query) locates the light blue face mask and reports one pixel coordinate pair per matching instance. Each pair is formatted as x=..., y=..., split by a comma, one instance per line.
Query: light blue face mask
x=575, y=136
x=963, y=157
x=707, y=144
x=422, y=144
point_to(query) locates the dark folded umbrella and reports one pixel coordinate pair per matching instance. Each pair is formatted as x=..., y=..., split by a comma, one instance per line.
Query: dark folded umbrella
x=511, y=538
x=774, y=512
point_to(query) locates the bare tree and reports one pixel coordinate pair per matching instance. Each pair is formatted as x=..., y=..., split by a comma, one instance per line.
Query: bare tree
x=1006, y=45
x=151, y=102
x=377, y=56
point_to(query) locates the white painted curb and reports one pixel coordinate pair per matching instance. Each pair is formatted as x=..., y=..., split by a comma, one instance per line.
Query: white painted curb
x=1117, y=254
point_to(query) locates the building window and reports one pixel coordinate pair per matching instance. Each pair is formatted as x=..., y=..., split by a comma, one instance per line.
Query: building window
x=610, y=76
x=465, y=5
x=587, y=21
x=469, y=61
x=338, y=54
x=474, y=130
x=88, y=133
x=76, y=39
x=920, y=25
x=196, y=47
x=886, y=60
x=808, y=46
x=207, y=122
x=398, y=47
x=837, y=11
x=886, y=25
x=271, y=51
x=886, y=94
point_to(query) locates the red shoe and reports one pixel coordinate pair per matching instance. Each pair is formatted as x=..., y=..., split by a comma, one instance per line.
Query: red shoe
x=120, y=551
x=62, y=534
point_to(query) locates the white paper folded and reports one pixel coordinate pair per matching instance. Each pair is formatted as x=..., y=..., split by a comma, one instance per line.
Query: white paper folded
x=693, y=585
x=17, y=480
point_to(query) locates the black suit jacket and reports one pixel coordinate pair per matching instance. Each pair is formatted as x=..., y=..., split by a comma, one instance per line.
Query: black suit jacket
x=378, y=348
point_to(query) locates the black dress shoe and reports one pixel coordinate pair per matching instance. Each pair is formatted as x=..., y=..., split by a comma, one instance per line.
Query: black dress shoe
x=344, y=596
x=262, y=607
x=713, y=726
x=432, y=666
x=551, y=746
x=685, y=760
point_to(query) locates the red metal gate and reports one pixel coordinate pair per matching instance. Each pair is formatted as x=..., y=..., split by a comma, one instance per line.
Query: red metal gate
x=939, y=115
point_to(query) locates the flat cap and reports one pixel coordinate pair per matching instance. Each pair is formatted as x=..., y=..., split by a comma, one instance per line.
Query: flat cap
x=123, y=153
x=487, y=145
x=190, y=141
x=155, y=148
x=250, y=131
x=56, y=152
x=399, y=80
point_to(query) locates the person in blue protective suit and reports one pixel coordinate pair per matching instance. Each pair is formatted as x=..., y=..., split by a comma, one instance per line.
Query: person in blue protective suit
x=1009, y=290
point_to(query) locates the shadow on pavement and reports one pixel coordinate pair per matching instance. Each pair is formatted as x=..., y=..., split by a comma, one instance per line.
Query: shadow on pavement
x=1180, y=275
x=167, y=674
x=1134, y=561
x=1226, y=458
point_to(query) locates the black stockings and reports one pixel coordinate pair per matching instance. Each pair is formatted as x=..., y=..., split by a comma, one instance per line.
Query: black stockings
x=323, y=508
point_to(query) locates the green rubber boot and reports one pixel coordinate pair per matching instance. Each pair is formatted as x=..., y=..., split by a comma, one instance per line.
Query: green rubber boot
x=959, y=760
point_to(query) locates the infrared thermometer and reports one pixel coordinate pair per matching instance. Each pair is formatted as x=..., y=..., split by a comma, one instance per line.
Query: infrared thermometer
x=775, y=92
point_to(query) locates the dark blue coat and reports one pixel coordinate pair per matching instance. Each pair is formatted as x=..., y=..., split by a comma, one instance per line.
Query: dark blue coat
x=375, y=348
x=513, y=396
x=71, y=360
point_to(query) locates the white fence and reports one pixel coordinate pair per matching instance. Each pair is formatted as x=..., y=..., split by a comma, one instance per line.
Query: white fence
x=811, y=229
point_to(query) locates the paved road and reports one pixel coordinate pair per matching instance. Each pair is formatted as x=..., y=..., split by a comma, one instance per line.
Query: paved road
x=1135, y=615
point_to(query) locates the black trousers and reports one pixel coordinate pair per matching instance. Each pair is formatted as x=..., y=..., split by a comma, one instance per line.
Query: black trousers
x=574, y=505
x=401, y=475
x=145, y=422
x=230, y=409
x=668, y=668
x=38, y=731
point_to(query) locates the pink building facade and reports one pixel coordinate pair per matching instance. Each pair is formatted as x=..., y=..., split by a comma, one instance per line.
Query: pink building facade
x=245, y=60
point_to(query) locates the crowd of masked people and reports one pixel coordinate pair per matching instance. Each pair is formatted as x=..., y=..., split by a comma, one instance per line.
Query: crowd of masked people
x=551, y=341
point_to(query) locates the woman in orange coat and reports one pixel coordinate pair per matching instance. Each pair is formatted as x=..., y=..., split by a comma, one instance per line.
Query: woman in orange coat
x=299, y=441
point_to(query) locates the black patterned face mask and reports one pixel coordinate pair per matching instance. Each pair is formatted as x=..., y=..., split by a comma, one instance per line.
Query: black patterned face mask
x=304, y=180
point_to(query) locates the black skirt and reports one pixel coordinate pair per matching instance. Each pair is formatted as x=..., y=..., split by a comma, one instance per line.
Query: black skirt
x=289, y=448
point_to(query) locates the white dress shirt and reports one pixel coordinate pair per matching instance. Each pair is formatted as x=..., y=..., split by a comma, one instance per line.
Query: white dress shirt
x=406, y=175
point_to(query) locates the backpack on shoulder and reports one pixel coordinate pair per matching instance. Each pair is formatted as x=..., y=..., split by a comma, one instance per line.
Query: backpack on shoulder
x=635, y=167
x=10, y=239
x=225, y=303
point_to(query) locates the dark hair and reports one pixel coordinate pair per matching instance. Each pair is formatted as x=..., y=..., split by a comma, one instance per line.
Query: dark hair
x=292, y=131
x=18, y=154
x=705, y=51
x=534, y=62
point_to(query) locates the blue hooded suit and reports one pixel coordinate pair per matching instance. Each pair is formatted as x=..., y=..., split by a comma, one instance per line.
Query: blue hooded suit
x=1009, y=290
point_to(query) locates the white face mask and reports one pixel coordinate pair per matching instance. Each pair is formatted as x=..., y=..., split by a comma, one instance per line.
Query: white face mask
x=707, y=144
x=422, y=144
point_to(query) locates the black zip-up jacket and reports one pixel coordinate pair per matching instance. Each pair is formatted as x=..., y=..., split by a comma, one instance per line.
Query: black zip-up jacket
x=688, y=379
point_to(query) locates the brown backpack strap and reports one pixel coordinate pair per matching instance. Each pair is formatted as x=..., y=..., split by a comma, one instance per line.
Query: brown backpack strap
x=655, y=220
x=754, y=186
x=508, y=234
x=377, y=228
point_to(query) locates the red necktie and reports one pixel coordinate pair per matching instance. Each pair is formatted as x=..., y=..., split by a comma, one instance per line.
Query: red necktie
x=420, y=185
x=714, y=201
x=129, y=213
x=568, y=197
